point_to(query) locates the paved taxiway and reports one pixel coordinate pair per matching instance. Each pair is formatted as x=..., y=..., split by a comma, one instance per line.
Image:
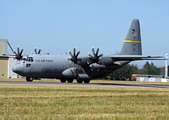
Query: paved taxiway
x=85, y=85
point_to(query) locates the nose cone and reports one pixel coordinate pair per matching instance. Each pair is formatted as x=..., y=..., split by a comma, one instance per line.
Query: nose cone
x=17, y=69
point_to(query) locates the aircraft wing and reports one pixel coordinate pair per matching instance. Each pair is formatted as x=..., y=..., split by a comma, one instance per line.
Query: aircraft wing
x=135, y=57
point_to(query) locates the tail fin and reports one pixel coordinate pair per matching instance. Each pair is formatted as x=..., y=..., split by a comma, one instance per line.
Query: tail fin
x=132, y=42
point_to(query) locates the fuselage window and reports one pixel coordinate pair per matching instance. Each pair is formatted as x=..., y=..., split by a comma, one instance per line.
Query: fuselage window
x=28, y=65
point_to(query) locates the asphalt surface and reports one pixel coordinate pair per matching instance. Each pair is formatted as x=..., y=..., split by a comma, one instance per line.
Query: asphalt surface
x=85, y=85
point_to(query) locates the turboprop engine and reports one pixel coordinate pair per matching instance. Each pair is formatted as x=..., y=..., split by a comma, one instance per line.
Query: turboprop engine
x=106, y=60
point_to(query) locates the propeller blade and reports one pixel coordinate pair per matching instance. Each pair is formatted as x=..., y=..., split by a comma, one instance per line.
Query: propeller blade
x=21, y=52
x=15, y=52
x=11, y=48
x=39, y=51
x=77, y=54
x=93, y=51
x=95, y=57
x=74, y=55
x=97, y=51
x=90, y=55
x=88, y=62
x=74, y=51
x=100, y=55
x=35, y=51
x=70, y=53
x=18, y=54
x=18, y=50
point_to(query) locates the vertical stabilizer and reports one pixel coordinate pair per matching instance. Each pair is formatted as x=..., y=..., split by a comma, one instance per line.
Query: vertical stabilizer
x=132, y=42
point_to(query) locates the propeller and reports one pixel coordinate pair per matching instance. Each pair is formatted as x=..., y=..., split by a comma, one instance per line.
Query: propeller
x=18, y=55
x=74, y=56
x=38, y=51
x=95, y=57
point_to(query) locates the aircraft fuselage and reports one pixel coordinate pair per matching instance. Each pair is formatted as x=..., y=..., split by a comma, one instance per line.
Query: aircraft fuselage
x=53, y=66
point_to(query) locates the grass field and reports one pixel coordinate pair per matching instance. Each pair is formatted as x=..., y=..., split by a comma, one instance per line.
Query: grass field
x=59, y=102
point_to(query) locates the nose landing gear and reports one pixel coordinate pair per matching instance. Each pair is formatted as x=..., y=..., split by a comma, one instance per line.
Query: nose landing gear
x=29, y=79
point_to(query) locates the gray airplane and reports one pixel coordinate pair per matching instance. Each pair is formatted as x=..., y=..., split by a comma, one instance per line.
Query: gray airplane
x=82, y=68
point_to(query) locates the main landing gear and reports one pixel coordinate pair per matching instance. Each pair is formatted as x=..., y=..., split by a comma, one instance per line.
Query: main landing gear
x=64, y=80
x=78, y=80
x=81, y=81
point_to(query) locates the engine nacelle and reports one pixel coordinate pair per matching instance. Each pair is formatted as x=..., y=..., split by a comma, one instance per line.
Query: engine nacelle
x=97, y=66
x=106, y=60
x=70, y=73
x=105, y=67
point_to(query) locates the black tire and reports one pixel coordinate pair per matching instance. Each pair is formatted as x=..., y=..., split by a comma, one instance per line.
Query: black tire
x=62, y=80
x=87, y=81
x=69, y=80
x=79, y=80
x=29, y=79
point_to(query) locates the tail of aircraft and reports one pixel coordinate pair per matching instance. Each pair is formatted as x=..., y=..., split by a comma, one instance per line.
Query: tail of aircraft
x=132, y=42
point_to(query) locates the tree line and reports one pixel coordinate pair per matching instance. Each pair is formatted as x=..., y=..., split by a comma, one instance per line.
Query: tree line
x=126, y=72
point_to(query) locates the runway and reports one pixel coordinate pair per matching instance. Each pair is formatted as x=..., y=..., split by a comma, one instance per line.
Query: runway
x=84, y=85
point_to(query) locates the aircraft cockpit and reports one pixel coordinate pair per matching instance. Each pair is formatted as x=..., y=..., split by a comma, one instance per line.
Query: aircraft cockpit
x=28, y=59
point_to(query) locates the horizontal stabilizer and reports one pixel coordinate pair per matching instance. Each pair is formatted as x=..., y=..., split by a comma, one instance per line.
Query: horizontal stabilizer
x=135, y=57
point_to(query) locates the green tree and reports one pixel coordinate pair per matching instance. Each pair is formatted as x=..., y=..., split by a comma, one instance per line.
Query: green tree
x=124, y=73
x=128, y=70
x=149, y=69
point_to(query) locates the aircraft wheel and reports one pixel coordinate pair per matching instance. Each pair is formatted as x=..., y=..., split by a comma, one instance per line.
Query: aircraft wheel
x=86, y=81
x=69, y=80
x=62, y=80
x=79, y=80
x=29, y=79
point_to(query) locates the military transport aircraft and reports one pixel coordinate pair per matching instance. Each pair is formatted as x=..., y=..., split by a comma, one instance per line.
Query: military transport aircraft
x=80, y=67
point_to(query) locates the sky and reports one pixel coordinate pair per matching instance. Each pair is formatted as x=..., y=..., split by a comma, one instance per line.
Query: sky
x=57, y=26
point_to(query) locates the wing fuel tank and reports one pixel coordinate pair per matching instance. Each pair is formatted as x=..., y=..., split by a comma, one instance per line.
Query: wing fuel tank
x=108, y=67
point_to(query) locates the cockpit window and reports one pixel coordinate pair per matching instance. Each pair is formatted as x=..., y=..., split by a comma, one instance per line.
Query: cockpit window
x=29, y=59
x=23, y=58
